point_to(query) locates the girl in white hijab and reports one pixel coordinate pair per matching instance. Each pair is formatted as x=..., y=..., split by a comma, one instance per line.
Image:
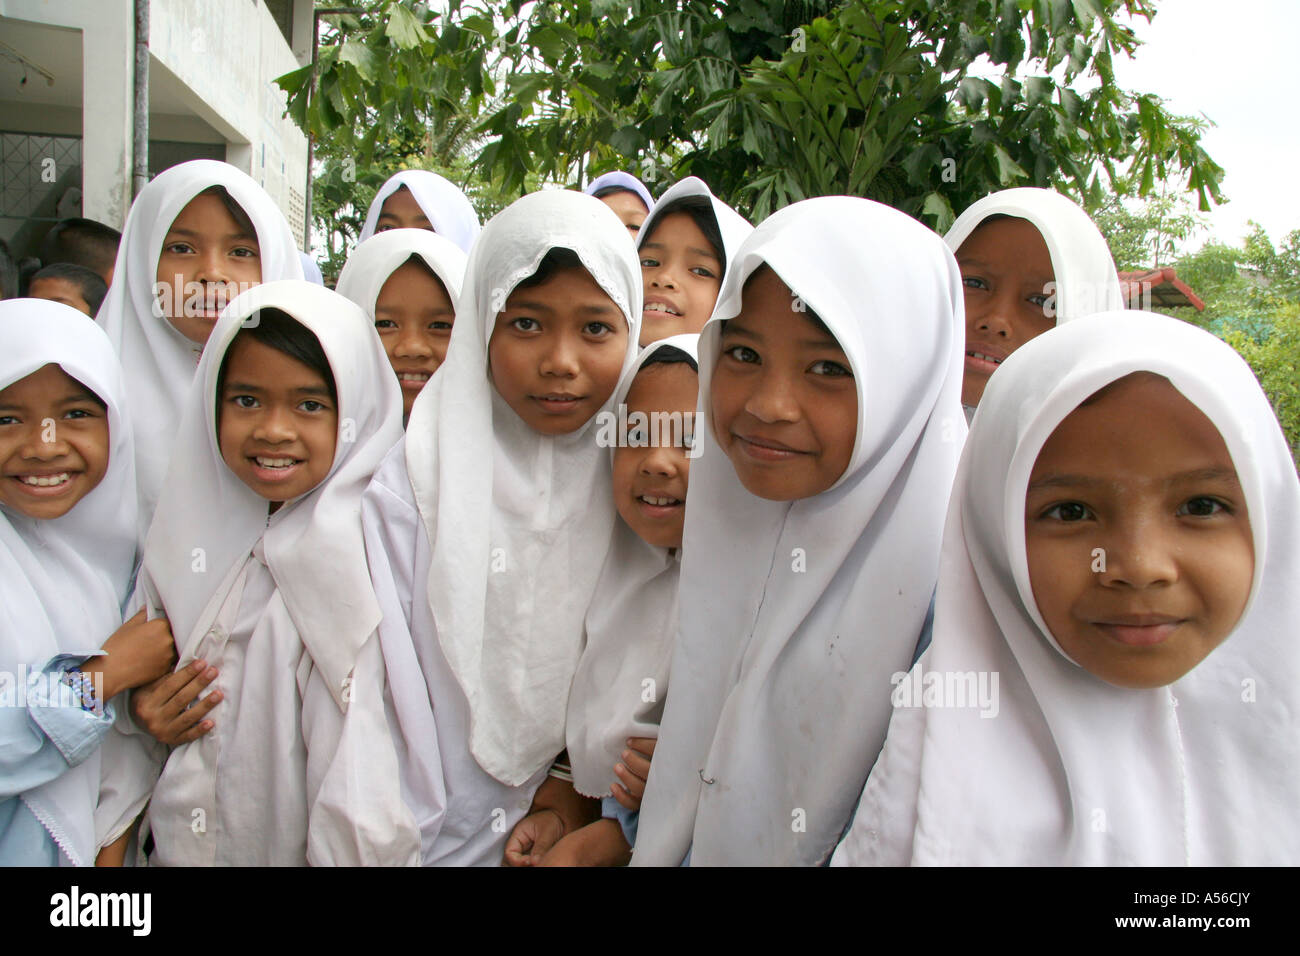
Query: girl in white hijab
x=158, y=358
x=795, y=604
x=408, y=281
x=419, y=199
x=487, y=527
x=686, y=245
x=1030, y=259
x=1155, y=722
x=281, y=603
x=67, y=554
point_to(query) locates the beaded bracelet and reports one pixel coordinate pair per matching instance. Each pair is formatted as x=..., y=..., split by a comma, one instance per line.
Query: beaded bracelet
x=82, y=685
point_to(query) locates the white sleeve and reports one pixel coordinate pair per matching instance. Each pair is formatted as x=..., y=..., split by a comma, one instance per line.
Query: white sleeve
x=356, y=815
x=392, y=531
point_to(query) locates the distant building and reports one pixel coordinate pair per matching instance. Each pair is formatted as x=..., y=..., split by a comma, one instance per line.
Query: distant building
x=1158, y=289
x=66, y=102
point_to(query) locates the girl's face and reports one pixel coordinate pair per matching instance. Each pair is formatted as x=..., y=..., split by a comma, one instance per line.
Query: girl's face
x=53, y=443
x=682, y=275
x=207, y=259
x=277, y=425
x=401, y=211
x=557, y=350
x=784, y=402
x=413, y=316
x=1140, y=550
x=629, y=208
x=650, y=482
x=1006, y=268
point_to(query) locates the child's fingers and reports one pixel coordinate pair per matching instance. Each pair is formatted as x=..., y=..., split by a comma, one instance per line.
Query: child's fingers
x=624, y=799
x=193, y=734
x=190, y=690
x=634, y=785
x=637, y=764
x=643, y=745
x=192, y=715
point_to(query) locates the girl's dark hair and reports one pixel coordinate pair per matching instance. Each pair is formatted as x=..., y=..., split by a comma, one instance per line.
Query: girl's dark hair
x=701, y=212
x=282, y=332
x=557, y=260
x=604, y=191
x=235, y=209
x=90, y=392
x=669, y=355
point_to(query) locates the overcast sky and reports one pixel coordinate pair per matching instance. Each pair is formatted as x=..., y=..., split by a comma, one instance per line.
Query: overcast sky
x=1237, y=64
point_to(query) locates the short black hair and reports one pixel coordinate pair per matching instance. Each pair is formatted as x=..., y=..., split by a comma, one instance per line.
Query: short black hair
x=8, y=273
x=88, y=282
x=604, y=191
x=281, y=331
x=557, y=260
x=669, y=355
x=701, y=212
x=83, y=242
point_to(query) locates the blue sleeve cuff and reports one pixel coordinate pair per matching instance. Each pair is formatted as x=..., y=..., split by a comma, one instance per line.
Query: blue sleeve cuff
x=627, y=819
x=57, y=710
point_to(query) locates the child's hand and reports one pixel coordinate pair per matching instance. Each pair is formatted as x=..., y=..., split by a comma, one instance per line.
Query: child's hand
x=532, y=837
x=161, y=707
x=634, y=771
x=597, y=844
x=138, y=652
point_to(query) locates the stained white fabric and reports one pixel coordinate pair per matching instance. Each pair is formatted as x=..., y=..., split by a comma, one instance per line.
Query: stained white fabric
x=447, y=207
x=1086, y=280
x=158, y=362
x=284, y=609
x=1075, y=771
x=623, y=181
x=792, y=612
x=63, y=581
x=375, y=260
x=629, y=635
x=734, y=227
x=519, y=522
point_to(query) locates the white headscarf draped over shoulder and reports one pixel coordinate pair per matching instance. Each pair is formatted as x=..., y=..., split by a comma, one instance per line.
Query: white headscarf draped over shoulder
x=734, y=227
x=63, y=581
x=794, y=614
x=313, y=544
x=447, y=207
x=1086, y=280
x=1072, y=770
x=629, y=632
x=375, y=260
x=621, y=180
x=158, y=362
x=519, y=522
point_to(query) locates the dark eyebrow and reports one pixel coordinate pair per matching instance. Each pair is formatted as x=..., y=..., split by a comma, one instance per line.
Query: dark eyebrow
x=192, y=234
x=1204, y=474
x=731, y=327
x=81, y=396
x=1183, y=477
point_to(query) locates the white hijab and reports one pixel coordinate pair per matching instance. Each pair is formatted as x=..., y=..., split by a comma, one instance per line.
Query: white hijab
x=375, y=260
x=158, y=362
x=734, y=227
x=790, y=611
x=448, y=209
x=63, y=581
x=519, y=522
x=1074, y=770
x=621, y=180
x=313, y=544
x=629, y=632
x=1086, y=280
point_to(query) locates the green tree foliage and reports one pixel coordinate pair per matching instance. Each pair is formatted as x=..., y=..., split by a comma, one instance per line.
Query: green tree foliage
x=923, y=104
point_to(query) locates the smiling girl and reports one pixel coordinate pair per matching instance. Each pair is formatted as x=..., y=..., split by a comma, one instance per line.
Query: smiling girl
x=1131, y=578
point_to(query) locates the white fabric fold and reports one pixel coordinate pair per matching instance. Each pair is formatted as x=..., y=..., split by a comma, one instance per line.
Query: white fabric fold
x=447, y=207
x=375, y=260
x=519, y=522
x=623, y=181
x=158, y=362
x=629, y=635
x=63, y=581
x=1072, y=770
x=780, y=695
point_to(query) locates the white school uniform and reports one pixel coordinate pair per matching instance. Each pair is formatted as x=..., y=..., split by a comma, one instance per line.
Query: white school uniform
x=629, y=635
x=794, y=614
x=486, y=540
x=1072, y=770
x=446, y=206
x=158, y=362
x=301, y=766
x=63, y=581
